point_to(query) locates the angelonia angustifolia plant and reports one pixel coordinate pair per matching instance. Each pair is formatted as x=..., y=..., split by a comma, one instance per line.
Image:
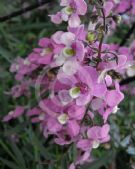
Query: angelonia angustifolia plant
x=75, y=76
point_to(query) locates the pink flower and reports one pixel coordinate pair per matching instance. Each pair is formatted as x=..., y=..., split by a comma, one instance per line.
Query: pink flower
x=98, y=135
x=113, y=97
x=71, y=47
x=14, y=114
x=53, y=125
x=73, y=128
x=83, y=158
x=72, y=166
x=44, y=54
x=76, y=112
x=84, y=144
x=57, y=19
x=37, y=115
x=79, y=32
x=21, y=89
x=71, y=12
x=108, y=6
x=80, y=88
x=123, y=6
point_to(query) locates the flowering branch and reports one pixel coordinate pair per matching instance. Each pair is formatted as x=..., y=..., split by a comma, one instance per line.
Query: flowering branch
x=82, y=76
x=24, y=10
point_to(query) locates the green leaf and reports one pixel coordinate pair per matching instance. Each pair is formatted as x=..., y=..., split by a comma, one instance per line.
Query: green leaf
x=38, y=145
x=18, y=154
x=20, y=127
x=51, y=166
x=28, y=154
x=6, y=54
x=5, y=147
x=10, y=164
x=64, y=162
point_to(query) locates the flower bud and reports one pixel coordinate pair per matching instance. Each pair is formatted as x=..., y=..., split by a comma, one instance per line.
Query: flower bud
x=117, y=19
x=91, y=37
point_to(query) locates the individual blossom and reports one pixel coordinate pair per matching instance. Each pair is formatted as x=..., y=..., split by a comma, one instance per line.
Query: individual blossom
x=98, y=135
x=63, y=122
x=21, y=89
x=72, y=47
x=44, y=54
x=80, y=87
x=19, y=110
x=71, y=12
x=22, y=67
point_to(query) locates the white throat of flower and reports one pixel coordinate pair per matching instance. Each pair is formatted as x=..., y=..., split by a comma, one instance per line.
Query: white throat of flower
x=11, y=113
x=115, y=109
x=102, y=76
x=59, y=59
x=45, y=51
x=117, y=1
x=74, y=92
x=131, y=71
x=68, y=52
x=41, y=116
x=26, y=62
x=70, y=67
x=68, y=10
x=95, y=144
x=17, y=67
x=63, y=118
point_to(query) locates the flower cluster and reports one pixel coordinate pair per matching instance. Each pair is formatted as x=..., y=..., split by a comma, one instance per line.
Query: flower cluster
x=76, y=77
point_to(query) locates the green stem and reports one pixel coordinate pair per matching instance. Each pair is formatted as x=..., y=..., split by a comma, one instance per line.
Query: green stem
x=102, y=38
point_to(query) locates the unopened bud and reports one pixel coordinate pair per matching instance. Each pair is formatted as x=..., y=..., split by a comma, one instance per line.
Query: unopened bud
x=117, y=18
x=91, y=37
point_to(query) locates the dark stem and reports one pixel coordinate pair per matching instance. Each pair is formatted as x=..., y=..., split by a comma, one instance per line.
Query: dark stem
x=129, y=9
x=24, y=10
x=86, y=112
x=104, y=20
x=127, y=81
x=102, y=38
x=100, y=46
x=127, y=36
